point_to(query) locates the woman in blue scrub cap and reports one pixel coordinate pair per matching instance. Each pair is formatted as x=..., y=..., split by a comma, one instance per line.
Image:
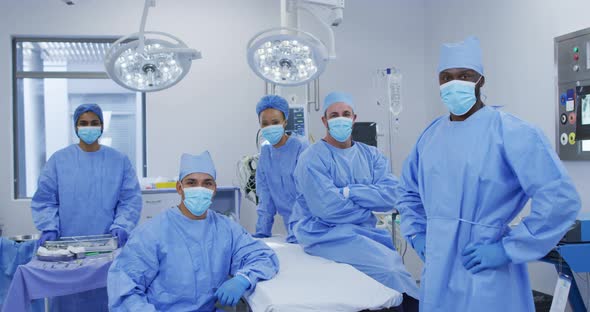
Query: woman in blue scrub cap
x=87, y=181
x=86, y=189
x=275, y=184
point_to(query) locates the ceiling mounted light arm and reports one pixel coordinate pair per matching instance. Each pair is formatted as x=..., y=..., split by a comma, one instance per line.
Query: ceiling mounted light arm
x=145, y=64
x=332, y=50
x=140, y=36
x=288, y=56
x=328, y=12
x=281, y=30
x=142, y=32
x=146, y=7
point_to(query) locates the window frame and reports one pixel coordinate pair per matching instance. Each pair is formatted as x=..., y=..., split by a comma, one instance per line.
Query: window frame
x=18, y=128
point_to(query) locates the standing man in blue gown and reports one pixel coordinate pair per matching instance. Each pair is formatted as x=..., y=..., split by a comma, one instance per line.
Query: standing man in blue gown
x=470, y=174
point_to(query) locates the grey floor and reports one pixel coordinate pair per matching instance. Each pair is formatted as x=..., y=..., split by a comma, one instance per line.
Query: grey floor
x=241, y=307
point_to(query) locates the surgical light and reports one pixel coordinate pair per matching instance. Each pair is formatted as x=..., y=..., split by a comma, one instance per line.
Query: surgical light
x=149, y=64
x=288, y=56
x=287, y=59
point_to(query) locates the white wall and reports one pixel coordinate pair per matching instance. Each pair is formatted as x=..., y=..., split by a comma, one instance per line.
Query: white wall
x=213, y=107
x=374, y=35
x=517, y=42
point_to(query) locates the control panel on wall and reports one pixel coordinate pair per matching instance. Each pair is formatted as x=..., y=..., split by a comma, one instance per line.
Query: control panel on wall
x=572, y=56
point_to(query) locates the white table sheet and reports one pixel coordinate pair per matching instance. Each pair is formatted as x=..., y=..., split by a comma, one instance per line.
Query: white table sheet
x=310, y=283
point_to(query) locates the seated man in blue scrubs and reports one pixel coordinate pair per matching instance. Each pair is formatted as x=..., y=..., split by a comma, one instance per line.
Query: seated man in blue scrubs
x=340, y=183
x=470, y=174
x=86, y=189
x=180, y=260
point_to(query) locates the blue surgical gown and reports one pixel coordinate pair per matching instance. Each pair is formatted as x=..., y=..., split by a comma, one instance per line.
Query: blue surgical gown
x=275, y=185
x=13, y=254
x=343, y=229
x=87, y=193
x=463, y=183
x=173, y=263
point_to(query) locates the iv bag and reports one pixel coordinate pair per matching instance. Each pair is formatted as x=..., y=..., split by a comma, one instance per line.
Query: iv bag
x=388, y=87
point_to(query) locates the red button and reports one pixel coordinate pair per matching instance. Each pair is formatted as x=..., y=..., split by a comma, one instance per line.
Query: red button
x=576, y=56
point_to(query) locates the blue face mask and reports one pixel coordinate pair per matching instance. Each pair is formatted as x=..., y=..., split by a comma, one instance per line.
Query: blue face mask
x=458, y=96
x=89, y=134
x=197, y=199
x=340, y=128
x=273, y=134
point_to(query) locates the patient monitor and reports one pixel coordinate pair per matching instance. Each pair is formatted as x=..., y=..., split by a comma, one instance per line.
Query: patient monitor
x=296, y=124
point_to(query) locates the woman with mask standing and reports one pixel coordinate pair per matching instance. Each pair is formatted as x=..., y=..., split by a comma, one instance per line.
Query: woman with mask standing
x=86, y=189
x=275, y=184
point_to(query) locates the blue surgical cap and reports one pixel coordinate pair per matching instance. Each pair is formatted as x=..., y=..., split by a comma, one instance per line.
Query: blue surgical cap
x=464, y=54
x=273, y=101
x=196, y=164
x=336, y=97
x=84, y=108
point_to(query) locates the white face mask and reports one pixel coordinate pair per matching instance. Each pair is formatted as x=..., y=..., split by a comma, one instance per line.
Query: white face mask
x=197, y=199
x=340, y=128
x=459, y=96
x=89, y=134
x=273, y=134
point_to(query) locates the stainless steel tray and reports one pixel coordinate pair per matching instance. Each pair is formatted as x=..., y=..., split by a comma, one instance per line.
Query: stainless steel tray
x=91, y=243
x=57, y=258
